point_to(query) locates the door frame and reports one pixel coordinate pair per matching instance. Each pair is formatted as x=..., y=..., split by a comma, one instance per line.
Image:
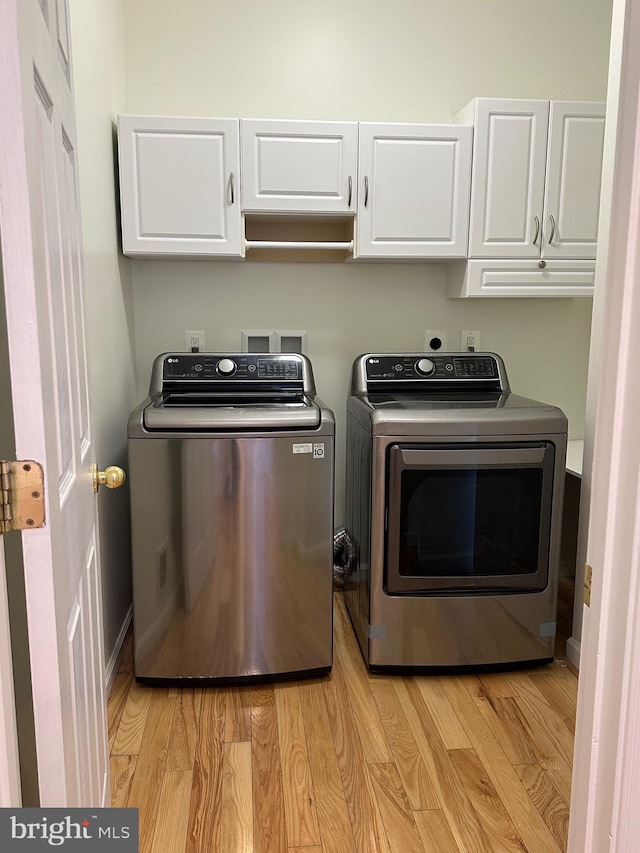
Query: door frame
x=604, y=814
x=10, y=793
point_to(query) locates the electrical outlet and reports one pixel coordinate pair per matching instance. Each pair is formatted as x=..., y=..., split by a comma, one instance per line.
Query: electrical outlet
x=470, y=340
x=435, y=340
x=194, y=340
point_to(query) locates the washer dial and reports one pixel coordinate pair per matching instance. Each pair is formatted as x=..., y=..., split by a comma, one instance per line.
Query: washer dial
x=226, y=366
x=425, y=366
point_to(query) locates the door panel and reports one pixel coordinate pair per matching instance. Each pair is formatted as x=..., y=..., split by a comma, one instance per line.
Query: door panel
x=41, y=253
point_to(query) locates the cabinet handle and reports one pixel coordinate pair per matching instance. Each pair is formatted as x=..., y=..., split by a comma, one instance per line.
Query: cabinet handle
x=232, y=194
x=553, y=229
x=537, y=234
x=366, y=190
x=350, y=191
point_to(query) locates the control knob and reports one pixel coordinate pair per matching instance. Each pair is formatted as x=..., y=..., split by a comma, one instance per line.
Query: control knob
x=425, y=366
x=226, y=366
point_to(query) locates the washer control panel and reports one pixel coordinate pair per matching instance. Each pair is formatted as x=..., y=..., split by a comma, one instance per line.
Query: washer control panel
x=237, y=367
x=457, y=367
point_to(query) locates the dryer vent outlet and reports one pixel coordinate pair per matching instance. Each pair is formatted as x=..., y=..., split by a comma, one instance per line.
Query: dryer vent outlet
x=435, y=340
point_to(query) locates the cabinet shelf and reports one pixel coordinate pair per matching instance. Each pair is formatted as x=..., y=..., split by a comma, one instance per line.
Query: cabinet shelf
x=299, y=238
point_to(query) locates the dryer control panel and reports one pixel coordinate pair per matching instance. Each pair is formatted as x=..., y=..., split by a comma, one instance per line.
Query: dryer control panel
x=421, y=366
x=429, y=370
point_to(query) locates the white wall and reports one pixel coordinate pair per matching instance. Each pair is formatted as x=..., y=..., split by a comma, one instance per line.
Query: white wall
x=411, y=60
x=98, y=57
x=375, y=60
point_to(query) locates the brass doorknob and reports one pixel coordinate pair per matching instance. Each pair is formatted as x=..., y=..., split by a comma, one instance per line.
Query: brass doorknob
x=112, y=477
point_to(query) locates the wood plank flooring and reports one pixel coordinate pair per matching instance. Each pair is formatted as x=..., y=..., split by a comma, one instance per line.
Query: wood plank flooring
x=348, y=763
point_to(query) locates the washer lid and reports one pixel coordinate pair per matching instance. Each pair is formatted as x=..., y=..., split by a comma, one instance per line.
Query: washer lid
x=187, y=412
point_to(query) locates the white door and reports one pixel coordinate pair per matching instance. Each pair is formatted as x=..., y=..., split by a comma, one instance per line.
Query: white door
x=299, y=166
x=414, y=191
x=39, y=228
x=573, y=178
x=179, y=186
x=509, y=153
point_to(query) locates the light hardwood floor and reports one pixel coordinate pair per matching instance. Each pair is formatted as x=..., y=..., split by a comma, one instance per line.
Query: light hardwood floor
x=350, y=762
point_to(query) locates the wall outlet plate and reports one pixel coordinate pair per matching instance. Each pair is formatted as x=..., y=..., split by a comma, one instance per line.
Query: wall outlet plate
x=435, y=340
x=470, y=340
x=194, y=340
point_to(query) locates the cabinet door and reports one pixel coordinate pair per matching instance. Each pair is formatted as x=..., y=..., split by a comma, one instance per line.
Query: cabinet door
x=179, y=186
x=510, y=145
x=298, y=166
x=574, y=174
x=413, y=196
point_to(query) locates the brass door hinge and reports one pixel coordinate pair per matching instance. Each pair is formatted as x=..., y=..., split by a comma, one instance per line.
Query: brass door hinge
x=588, y=572
x=21, y=495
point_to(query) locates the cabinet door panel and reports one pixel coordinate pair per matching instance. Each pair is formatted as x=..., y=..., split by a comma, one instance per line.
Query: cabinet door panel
x=574, y=173
x=508, y=178
x=186, y=170
x=418, y=179
x=298, y=166
x=178, y=181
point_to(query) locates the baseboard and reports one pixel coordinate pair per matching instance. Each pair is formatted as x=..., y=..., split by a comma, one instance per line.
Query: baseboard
x=573, y=651
x=112, y=666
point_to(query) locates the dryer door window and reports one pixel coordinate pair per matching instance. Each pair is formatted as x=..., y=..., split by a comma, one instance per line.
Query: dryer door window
x=468, y=518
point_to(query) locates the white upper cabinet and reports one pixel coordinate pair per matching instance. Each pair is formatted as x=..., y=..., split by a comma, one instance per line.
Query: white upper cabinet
x=179, y=186
x=573, y=179
x=509, y=156
x=413, y=194
x=536, y=178
x=299, y=166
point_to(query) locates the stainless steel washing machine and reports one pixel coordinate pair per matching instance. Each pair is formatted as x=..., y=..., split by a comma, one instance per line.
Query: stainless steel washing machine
x=454, y=505
x=231, y=468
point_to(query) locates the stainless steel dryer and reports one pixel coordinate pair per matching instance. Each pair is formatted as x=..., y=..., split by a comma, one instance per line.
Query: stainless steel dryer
x=454, y=504
x=231, y=461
